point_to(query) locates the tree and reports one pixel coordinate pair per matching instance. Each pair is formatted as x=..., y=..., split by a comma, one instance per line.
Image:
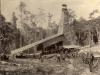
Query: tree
x=6, y=30
x=41, y=18
x=91, y=15
x=71, y=15
x=29, y=23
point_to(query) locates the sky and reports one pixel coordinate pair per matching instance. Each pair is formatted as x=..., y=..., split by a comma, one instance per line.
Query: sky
x=82, y=8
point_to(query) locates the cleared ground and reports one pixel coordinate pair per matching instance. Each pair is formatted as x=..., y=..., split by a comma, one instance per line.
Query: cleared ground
x=48, y=67
x=71, y=66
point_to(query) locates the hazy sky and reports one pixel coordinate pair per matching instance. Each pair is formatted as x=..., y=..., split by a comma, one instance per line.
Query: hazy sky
x=81, y=7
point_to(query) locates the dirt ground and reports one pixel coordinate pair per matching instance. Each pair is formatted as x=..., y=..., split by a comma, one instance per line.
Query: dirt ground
x=49, y=67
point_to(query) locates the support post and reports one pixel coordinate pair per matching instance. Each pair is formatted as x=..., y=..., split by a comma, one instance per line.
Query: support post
x=12, y=57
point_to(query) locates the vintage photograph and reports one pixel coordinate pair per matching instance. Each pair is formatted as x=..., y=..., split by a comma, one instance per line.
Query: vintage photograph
x=49, y=37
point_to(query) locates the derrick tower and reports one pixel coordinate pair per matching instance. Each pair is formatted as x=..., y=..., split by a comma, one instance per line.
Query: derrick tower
x=65, y=26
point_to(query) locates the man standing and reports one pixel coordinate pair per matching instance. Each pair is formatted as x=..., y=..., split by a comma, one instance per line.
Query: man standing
x=91, y=59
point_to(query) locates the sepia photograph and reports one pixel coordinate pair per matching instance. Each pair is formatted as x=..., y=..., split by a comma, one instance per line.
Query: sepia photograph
x=49, y=37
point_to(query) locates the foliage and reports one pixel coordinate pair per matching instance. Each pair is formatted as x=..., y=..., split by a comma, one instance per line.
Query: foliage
x=8, y=34
x=31, y=32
